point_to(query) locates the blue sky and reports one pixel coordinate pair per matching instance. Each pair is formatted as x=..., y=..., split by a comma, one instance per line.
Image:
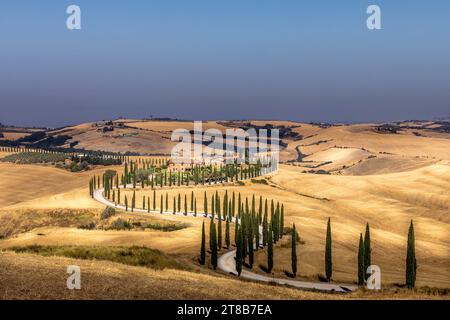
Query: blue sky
x=217, y=59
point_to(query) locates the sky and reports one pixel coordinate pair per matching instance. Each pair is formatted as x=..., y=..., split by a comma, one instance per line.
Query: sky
x=223, y=59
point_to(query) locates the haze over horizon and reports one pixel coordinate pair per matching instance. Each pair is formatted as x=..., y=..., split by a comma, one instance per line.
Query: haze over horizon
x=290, y=60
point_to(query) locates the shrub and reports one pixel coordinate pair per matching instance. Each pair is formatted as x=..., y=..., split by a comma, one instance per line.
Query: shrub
x=107, y=213
x=89, y=226
x=121, y=224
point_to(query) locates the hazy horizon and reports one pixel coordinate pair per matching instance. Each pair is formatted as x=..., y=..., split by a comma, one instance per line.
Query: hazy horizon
x=290, y=60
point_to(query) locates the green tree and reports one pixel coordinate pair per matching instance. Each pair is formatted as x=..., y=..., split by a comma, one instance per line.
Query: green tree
x=328, y=254
x=227, y=233
x=214, y=246
x=239, y=251
x=205, y=204
x=219, y=230
x=411, y=262
x=270, y=250
x=203, y=246
x=294, y=251
x=367, y=251
x=361, y=268
x=265, y=225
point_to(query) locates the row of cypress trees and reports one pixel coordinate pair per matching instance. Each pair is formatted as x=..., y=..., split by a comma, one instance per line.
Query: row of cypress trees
x=245, y=246
x=151, y=177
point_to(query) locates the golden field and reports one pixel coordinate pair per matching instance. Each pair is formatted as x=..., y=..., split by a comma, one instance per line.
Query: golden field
x=381, y=179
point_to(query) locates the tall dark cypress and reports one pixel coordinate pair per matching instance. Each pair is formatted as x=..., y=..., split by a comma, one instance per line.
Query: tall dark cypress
x=367, y=250
x=270, y=250
x=219, y=230
x=211, y=227
x=205, y=204
x=294, y=251
x=265, y=226
x=227, y=233
x=203, y=246
x=361, y=268
x=282, y=221
x=214, y=246
x=236, y=229
x=250, y=242
x=411, y=262
x=328, y=254
x=239, y=251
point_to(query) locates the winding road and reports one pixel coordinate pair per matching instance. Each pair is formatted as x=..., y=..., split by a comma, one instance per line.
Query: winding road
x=226, y=262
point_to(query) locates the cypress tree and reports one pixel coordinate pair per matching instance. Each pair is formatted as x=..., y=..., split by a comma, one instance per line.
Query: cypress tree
x=185, y=205
x=126, y=203
x=203, y=246
x=179, y=203
x=256, y=233
x=205, y=204
x=282, y=221
x=411, y=262
x=162, y=204
x=260, y=210
x=219, y=230
x=367, y=251
x=265, y=227
x=328, y=254
x=270, y=251
x=133, y=201
x=214, y=246
x=361, y=268
x=238, y=236
x=174, y=205
x=154, y=200
x=250, y=244
x=211, y=227
x=192, y=201
x=167, y=201
x=294, y=251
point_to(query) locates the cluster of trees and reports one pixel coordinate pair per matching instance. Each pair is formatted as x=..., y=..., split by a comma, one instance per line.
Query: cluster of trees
x=254, y=229
x=35, y=157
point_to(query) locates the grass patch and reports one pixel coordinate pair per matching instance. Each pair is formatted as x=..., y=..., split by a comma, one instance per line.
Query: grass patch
x=260, y=181
x=133, y=256
x=166, y=227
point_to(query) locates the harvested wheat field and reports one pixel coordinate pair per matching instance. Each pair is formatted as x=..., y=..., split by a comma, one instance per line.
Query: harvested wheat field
x=351, y=174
